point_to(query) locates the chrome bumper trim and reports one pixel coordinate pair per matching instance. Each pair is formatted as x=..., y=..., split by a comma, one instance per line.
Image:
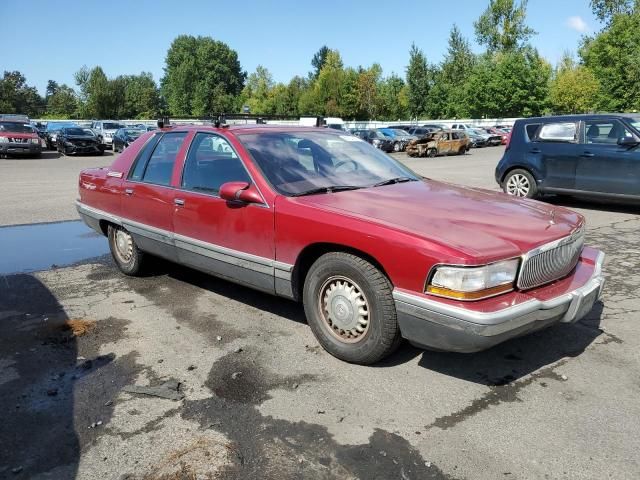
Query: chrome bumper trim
x=566, y=307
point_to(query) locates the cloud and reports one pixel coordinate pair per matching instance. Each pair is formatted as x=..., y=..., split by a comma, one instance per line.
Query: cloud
x=578, y=24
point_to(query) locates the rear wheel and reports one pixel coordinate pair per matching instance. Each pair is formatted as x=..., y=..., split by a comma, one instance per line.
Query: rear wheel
x=520, y=183
x=124, y=251
x=431, y=152
x=350, y=308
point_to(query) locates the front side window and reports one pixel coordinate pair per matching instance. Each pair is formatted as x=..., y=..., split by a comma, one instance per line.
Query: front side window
x=605, y=131
x=558, y=132
x=210, y=163
x=159, y=168
x=298, y=162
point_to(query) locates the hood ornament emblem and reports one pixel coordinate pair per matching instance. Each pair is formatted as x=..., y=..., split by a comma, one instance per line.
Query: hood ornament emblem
x=553, y=217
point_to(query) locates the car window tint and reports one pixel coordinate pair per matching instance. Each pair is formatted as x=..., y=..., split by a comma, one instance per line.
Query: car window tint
x=143, y=157
x=605, y=131
x=532, y=129
x=210, y=163
x=160, y=166
x=557, y=132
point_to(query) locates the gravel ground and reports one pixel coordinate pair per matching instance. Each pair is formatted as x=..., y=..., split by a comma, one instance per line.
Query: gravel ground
x=263, y=401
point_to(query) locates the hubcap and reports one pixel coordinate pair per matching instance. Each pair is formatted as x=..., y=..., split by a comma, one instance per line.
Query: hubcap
x=518, y=185
x=344, y=309
x=124, y=246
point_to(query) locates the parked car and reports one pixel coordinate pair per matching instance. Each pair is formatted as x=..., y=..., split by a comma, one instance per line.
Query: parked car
x=490, y=139
x=106, y=129
x=76, y=140
x=375, y=138
x=18, y=138
x=585, y=155
x=374, y=251
x=421, y=131
x=124, y=137
x=475, y=139
x=444, y=142
x=400, y=138
x=51, y=133
x=503, y=134
x=435, y=126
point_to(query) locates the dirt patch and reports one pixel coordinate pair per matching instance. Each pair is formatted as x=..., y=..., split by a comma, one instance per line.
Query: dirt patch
x=79, y=326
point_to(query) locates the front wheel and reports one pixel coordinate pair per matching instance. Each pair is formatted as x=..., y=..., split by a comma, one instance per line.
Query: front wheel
x=396, y=147
x=128, y=257
x=350, y=308
x=520, y=183
x=431, y=152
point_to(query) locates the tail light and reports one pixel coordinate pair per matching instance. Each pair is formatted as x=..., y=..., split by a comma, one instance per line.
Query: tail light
x=508, y=141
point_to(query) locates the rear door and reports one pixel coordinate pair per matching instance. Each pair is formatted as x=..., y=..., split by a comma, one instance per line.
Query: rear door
x=148, y=197
x=444, y=143
x=603, y=165
x=556, y=145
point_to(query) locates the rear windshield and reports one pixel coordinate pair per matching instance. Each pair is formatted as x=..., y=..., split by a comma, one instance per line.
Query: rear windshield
x=15, y=127
x=111, y=126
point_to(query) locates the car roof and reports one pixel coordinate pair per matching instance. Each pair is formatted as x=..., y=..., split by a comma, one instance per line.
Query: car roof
x=243, y=129
x=581, y=116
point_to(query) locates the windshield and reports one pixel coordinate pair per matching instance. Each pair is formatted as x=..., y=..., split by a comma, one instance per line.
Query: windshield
x=15, y=127
x=58, y=126
x=635, y=123
x=296, y=162
x=111, y=126
x=132, y=132
x=88, y=131
x=74, y=131
x=388, y=132
x=478, y=132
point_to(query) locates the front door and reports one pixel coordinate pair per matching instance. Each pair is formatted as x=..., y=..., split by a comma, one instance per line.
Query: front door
x=231, y=240
x=603, y=165
x=148, y=198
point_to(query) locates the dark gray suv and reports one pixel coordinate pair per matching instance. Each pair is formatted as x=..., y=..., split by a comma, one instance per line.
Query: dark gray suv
x=584, y=155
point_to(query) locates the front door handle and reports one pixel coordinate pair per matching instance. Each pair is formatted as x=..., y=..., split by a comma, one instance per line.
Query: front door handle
x=128, y=191
x=587, y=154
x=179, y=202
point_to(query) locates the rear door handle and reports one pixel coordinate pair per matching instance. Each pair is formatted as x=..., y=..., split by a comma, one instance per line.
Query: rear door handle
x=587, y=154
x=179, y=202
x=128, y=191
x=534, y=150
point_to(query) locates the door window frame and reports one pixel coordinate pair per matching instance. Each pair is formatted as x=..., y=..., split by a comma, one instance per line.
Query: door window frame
x=145, y=157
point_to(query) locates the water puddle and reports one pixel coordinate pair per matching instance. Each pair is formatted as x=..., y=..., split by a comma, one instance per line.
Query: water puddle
x=29, y=248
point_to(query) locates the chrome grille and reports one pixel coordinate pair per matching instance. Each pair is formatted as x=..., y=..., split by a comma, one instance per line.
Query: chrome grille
x=18, y=140
x=552, y=261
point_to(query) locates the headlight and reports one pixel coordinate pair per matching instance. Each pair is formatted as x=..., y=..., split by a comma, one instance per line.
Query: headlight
x=35, y=140
x=376, y=141
x=473, y=283
x=4, y=140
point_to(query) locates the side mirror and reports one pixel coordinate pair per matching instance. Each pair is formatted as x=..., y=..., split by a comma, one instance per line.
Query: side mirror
x=239, y=192
x=628, y=141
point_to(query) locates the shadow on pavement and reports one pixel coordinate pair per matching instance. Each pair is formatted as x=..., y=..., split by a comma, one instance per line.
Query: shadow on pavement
x=37, y=358
x=607, y=205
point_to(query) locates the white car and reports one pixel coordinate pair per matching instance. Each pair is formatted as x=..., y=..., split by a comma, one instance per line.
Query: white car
x=106, y=129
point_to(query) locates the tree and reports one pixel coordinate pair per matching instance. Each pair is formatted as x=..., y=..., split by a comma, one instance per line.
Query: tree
x=393, y=98
x=52, y=88
x=502, y=27
x=141, y=96
x=606, y=10
x=612, y=56
x=257, y=90
x=367, y=88
x=574, y=88
x=419, y=79
x=510, y=84
x=202, y=76
x=63, y=102
x=317, y=62
x=18, y=97
x=328, y=86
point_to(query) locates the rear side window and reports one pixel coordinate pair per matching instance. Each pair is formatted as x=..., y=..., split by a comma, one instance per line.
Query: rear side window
x=558, y=132
x=531, y=130
x=160, y=165
x=142, y=159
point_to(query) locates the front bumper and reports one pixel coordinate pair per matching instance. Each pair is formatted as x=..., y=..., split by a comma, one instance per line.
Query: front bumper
x=20, y=148
x=436, y=324
x=78, y=149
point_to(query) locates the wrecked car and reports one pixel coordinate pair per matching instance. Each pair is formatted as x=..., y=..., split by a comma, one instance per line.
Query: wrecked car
x=373, y=251
x=445, y=142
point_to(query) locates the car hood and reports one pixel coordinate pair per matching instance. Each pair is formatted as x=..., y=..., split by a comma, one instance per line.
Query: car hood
x=81, y=137
x=19, y=135
x=480, y=224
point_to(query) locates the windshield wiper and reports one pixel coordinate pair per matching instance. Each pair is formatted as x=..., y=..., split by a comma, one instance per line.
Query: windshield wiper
x=330, y=189
x=391, y=181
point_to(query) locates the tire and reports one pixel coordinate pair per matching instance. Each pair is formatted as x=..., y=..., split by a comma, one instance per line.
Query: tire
x=128, y=257
x=362, y=294
x=397, y=147
x=461, y=151
x=432, y=152
x=520, y=183
x=113, y=146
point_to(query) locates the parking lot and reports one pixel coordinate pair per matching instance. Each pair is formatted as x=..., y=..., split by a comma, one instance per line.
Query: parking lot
x=242, y=390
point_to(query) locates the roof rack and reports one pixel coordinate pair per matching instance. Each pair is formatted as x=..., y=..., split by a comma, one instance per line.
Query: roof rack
x=225, y=119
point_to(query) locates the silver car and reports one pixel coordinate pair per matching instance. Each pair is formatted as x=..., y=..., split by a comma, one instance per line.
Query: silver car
x=106, y=129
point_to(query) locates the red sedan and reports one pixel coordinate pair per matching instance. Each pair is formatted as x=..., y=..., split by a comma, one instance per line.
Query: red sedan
x=374, y=251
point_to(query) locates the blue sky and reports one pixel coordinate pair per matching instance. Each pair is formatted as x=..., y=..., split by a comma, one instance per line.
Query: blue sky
x=53, y=39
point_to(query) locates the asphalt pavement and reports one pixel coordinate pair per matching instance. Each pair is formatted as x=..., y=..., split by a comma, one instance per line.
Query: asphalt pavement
x=179, y=375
